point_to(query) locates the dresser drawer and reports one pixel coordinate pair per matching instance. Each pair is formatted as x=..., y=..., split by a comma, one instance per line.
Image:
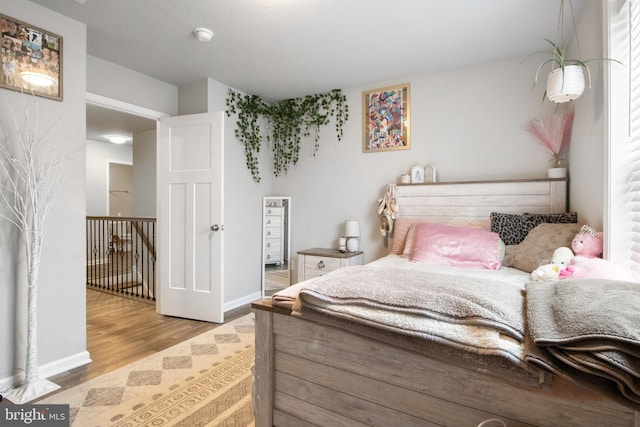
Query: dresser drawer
x=272, y=244
x=319, y=261
x=317, y=265
x=273, y=211
x=273, y=221
x=271, y=256
x=272, y=232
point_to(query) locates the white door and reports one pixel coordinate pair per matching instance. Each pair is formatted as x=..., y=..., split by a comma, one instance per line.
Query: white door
x=190, y=223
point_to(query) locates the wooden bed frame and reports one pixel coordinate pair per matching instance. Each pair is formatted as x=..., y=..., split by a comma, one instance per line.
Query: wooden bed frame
x=309, y=373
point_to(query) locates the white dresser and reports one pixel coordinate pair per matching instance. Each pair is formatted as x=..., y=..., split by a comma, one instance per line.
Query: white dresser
x=273, y=232
x=319, y=261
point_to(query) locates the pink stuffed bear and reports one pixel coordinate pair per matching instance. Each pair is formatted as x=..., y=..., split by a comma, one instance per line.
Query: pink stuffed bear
x=586, y=264
x=587, y=243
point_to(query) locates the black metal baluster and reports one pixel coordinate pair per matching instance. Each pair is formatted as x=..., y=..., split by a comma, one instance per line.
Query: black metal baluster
x=153, y=259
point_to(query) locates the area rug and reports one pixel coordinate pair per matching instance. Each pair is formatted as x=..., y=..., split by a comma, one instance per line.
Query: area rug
x=204, y=381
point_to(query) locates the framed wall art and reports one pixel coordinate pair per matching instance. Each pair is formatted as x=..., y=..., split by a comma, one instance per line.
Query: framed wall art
x=31, y=59
x=386, y=119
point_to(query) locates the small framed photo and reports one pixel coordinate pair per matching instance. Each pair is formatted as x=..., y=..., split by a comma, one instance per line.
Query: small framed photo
x=31, y=59
x=386, y=119
x=429, y=173
x=417, y=175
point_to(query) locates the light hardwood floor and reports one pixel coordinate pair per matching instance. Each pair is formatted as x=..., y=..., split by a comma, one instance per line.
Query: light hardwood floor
x=121, y=331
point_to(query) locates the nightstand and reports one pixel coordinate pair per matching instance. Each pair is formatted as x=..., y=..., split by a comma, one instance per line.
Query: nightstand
x=318, y=261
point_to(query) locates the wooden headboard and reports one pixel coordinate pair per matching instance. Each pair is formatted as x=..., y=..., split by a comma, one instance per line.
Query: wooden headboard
x=473, y=201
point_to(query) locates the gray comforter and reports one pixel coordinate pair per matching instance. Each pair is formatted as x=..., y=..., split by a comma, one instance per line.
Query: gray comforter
x=588, y=327
x=471, y=314
x=588, y=330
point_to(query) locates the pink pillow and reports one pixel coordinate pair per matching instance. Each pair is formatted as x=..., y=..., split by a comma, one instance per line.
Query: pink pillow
x=400, y=229
x=409, y=241
x=402, y=245
x=457, y=246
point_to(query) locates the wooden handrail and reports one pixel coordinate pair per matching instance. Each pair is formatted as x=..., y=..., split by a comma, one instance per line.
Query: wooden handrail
x=145, y=239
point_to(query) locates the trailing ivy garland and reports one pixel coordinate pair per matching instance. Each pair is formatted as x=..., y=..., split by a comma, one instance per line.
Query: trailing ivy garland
x=289, y=120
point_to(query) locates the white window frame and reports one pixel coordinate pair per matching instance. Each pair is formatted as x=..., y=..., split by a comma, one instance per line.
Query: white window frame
x=622, y=214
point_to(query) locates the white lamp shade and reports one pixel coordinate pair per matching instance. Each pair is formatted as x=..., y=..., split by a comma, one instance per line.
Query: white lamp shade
x=352, y=228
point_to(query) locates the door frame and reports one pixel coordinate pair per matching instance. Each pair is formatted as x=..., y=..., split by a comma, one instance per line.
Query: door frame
x=125, y=107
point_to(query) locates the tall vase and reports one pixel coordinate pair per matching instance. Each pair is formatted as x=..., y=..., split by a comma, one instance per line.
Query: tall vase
x=557, y=167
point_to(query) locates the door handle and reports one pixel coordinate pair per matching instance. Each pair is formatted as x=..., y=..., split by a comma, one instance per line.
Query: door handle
x=215, y=227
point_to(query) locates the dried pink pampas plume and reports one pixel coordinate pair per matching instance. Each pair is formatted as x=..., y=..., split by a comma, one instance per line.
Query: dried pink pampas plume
x=552, y=132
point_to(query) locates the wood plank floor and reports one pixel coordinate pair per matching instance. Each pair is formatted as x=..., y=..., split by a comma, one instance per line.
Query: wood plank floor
x=121, y=331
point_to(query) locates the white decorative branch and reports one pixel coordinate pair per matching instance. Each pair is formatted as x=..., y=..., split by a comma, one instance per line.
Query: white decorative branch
x=30, y=177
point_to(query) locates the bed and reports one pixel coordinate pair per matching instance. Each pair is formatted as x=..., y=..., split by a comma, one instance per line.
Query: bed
x=326, y=367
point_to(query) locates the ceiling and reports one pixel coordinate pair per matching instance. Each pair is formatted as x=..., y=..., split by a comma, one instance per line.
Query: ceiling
x=102, y=121
x=280, y=49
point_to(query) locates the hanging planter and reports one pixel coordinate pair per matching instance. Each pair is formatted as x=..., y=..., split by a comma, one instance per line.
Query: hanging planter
x=565, y=84
x=567, y=81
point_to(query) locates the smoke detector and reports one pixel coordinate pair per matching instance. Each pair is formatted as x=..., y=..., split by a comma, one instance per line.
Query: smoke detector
x=203, y=34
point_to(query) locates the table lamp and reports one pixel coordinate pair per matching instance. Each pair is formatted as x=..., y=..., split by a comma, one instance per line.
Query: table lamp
x=352, y=232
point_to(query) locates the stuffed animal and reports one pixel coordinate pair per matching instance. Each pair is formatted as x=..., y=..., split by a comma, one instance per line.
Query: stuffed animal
x=560, y=260
x=586, y=264
x=587, y=243
x=595, y=268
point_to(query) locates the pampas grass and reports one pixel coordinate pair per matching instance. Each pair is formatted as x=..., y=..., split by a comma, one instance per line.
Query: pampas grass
x=554, y=131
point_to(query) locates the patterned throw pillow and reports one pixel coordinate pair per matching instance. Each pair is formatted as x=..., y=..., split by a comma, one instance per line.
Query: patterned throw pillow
x=512, y=228
x=552, y=218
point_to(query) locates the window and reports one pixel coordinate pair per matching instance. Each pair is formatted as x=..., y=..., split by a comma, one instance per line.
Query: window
x=623, y=216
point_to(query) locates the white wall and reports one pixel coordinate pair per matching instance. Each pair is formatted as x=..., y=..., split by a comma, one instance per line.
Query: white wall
x=242, y=212
x=113, y=81
x=144, y=173
x=61, y=298
x=587, y=153
x=99, y=155
x=193, y=97
x=468, y=123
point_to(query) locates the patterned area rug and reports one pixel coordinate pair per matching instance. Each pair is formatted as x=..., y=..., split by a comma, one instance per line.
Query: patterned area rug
x=204, y=381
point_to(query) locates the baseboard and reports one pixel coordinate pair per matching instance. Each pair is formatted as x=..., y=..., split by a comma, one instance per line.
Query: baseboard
x=52, y=368
x=65, y=364
x=241, y=301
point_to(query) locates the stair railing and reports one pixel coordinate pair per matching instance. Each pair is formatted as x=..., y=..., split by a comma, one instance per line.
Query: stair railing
x=121, y=255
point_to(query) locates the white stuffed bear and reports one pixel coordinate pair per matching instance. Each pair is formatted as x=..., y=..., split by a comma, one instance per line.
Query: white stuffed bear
x=560, y=260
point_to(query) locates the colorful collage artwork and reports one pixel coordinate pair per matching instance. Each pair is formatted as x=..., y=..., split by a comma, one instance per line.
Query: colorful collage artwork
x=31, y=59
x=386, y=121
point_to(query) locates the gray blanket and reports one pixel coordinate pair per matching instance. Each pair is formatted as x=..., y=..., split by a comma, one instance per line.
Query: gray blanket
x=587, y=327
x=472, y=314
